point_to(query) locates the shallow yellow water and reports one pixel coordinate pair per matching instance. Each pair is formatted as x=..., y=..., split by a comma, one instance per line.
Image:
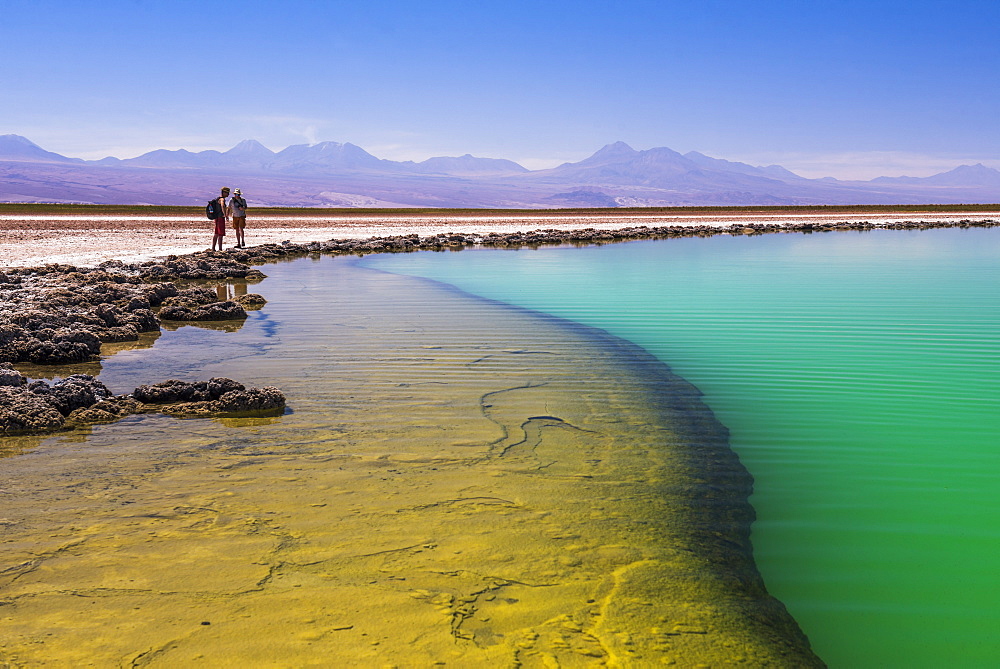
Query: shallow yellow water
x=458, y=482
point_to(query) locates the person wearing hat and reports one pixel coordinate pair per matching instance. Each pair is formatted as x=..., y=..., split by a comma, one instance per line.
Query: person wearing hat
x=238, y=213
x=220, y=222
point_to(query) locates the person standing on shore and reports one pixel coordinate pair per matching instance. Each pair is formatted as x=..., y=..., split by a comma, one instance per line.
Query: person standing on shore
x=238, y=213
x=222, y=213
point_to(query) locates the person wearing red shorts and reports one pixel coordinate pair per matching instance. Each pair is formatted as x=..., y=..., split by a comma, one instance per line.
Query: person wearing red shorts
x=220, y=223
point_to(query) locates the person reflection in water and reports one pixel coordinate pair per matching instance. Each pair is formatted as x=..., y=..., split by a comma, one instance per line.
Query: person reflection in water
x=230, y=291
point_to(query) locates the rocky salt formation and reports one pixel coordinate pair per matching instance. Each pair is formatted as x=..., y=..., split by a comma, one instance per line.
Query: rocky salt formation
x=207, y=265
x=200, y=304
x=59, y=314
x=217, y=396
x=251, y=301
x=81, y=399
x=452, y=241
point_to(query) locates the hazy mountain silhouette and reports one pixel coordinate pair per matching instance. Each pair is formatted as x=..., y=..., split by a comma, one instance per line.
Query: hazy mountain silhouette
x=963, y=176
x=770, y=172
x=324, y=158
x=177, y=158
x=334, y=173
x=619, y=163
x=683, y=179
x=699, y=178
x=15, y=147
x=250, y=149
x=467, y=165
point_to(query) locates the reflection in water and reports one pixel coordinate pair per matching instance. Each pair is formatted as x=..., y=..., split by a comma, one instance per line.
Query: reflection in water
x=222, y=326
x=145, y=340
x=459, y=482
x=230, y=291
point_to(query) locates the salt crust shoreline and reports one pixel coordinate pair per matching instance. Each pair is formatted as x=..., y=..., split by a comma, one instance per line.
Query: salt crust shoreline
x=86, y=242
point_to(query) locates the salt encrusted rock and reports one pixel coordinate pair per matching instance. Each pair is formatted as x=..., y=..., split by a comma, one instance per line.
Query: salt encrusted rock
x=251, y=301
x=69, y=335
x=10, y=376
x=158, y=292
x=120, y=325
x=22, y=411
x=220, y=385
x=74, y=392
x=53, y=318
x=124, y=333
x=216, y=396
x=166, y=391
x=197, y=266
x=81, y=399
x=192, y=297
x=173, y=391
x=12, y=340
x=267, y=398
x=137, y=303
x=143, y=320
x=107, y=291
x=58, y=347
x=252, y=401
x=105, y=411
x=200, y=304
x=216, y=311
x=111, y=316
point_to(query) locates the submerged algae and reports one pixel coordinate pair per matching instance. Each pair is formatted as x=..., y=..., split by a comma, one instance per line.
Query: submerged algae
x=461, y=482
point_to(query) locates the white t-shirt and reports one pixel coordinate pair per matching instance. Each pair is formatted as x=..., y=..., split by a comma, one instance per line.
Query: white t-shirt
x=234, y=209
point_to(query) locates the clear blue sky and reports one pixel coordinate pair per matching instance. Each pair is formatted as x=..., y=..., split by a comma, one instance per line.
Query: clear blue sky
x=845, y=88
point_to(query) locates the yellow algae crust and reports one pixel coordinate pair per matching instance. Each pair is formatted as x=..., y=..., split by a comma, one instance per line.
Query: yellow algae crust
x=461, y=483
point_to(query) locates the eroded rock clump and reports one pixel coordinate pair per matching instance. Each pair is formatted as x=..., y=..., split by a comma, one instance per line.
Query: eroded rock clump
x=200, y=304
x=81, y=399
x=220, y=396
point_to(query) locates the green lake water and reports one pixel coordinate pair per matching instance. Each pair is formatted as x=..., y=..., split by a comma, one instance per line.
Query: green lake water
x=858, y=375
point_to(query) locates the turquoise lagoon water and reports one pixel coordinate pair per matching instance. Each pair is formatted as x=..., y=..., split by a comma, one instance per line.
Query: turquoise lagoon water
x=859, y=374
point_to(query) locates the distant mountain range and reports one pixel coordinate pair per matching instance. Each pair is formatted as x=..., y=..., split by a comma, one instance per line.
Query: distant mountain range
x=335, y=174
x=325, y=158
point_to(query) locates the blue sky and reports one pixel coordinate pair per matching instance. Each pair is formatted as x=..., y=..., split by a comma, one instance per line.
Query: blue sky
x=848, y=89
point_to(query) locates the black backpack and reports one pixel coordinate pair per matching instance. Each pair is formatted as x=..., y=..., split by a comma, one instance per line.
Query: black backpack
x=212, y=210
